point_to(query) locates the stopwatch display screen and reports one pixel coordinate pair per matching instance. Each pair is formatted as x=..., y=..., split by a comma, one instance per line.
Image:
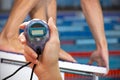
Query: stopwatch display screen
x=37, y=32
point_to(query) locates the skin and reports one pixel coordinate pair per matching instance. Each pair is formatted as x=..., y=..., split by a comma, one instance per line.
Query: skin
x=44, y=10
x=47, y=66
x=92, y=10
x=37, y=9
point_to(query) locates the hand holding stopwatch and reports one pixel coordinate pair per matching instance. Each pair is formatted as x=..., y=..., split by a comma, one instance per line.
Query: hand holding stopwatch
x=37, y=34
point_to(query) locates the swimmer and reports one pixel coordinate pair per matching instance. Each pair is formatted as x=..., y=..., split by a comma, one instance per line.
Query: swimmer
x=42, y=9
x=92, y=11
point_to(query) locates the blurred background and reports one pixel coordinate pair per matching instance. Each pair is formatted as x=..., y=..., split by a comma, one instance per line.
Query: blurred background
x=75, y=35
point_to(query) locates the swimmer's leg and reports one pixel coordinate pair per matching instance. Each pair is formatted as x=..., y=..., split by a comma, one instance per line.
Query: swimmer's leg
x=44, y=10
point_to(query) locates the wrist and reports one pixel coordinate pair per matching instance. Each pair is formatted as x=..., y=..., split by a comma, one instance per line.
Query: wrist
x=49, y=73
x=102, y=45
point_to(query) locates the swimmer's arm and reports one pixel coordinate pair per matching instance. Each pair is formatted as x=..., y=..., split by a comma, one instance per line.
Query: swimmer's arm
x=18, y=13
x=93, y=13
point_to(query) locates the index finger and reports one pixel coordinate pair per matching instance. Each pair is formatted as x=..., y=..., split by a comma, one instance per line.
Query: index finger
x=23, y=25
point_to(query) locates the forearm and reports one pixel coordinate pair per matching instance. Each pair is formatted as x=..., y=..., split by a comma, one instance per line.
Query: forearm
x=18, y=13
x=94, y=17
x=39, y=11
x=44, y=10
x=51, y=9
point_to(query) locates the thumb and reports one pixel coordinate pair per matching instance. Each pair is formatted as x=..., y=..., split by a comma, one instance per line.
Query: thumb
x=22, y=38
x=53, y=30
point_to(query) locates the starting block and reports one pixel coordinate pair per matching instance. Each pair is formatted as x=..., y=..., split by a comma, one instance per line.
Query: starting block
x=10, y=62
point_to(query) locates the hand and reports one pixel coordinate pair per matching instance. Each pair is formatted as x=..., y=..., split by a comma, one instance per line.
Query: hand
x=63, y=55
x=101, y=57
x=47, y=66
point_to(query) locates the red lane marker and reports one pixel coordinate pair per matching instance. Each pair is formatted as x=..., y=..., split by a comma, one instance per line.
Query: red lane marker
x=87, y=54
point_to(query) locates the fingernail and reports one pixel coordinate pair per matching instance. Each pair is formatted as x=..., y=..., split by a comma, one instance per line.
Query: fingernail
x=51, y=18
x=22, y=40
x=34, y=54
x=36, y=61
x=74, y=60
